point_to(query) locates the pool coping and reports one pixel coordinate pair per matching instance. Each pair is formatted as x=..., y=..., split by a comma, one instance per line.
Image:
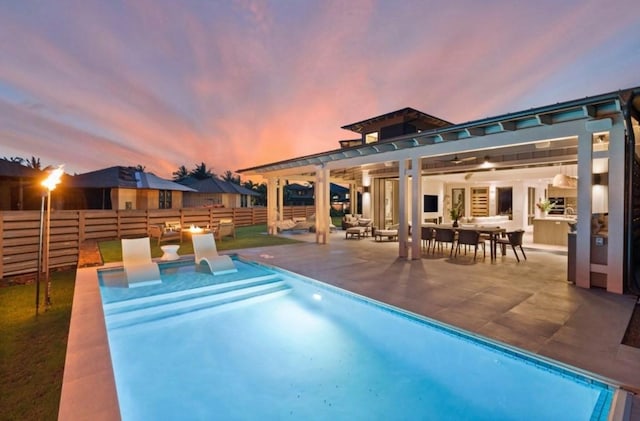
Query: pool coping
x=88, y=386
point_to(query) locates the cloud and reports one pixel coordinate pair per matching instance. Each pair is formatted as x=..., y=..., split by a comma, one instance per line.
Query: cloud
x=242, y=83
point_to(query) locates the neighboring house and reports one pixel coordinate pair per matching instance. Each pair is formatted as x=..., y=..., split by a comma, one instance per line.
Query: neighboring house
x=122, y=188
x=298, y=195
x=213, y=192
x=303, y=195
x=20, y=187
x=412, y=168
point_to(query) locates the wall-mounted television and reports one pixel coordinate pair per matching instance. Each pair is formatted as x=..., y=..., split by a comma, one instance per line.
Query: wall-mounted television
x=430, y=203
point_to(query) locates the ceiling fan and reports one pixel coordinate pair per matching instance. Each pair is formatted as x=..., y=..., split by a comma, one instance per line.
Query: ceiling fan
x=455, y=160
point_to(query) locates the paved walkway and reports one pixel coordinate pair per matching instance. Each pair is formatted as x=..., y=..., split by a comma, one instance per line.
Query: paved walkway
x=528, y=304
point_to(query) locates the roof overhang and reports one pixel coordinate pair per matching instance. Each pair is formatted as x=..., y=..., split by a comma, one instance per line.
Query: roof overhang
x=487, y=134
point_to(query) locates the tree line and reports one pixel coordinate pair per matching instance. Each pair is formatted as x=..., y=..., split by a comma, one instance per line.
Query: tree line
x=199, y=172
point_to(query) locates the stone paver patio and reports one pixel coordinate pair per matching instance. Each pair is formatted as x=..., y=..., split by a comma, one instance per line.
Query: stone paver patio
x=528, y=305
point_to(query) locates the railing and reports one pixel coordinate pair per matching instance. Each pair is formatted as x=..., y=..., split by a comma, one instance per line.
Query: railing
x=20, y=230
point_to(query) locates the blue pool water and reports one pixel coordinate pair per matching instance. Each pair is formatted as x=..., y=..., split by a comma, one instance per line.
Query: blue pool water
x=266, y=344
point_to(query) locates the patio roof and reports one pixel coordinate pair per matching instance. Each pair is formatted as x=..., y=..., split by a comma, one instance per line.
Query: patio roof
x=586, y=108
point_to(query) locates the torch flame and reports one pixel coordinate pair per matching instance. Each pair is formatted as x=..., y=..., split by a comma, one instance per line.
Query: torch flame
x=54, y=178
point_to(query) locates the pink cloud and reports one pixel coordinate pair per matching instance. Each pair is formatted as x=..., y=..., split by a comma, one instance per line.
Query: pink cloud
x=235, y=85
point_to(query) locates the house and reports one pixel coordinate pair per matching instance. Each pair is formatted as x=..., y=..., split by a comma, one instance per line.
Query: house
x=580, y=154
x=20, y=187
x=296, y=194
x=213, y=192
x=122, y=188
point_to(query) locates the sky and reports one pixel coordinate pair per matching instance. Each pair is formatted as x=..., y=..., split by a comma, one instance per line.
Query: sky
x=236, y=84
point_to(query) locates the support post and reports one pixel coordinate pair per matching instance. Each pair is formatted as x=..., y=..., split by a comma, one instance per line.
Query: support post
x=403, y=226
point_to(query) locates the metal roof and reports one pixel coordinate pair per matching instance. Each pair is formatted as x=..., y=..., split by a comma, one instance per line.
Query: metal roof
x=123, y=177
x=215, y=185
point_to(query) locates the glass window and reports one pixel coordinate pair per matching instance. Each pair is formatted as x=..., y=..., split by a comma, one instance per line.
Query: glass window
x=164, y=199
x=505, y=199
x=371, y=137
x=600, y=142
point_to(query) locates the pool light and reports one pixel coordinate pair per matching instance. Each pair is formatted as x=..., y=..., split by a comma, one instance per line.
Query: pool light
x=317, y=297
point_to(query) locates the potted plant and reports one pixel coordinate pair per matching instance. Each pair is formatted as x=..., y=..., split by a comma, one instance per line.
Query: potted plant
x=455, y=213
x=545, y=206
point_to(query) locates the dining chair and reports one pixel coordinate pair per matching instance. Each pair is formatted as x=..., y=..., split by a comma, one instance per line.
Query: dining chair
x=514, y=239
x=470, y=238
x=427, y=235
x=444, y=235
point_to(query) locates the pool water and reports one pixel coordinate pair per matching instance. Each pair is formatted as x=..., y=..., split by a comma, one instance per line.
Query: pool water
x=266, y=344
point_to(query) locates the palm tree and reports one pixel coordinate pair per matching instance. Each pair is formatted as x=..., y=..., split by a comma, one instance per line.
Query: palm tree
x=201, y=172
x=228, y=176
x=181, y=173
x=33, y=163
x=15, y=159
x=262, y=191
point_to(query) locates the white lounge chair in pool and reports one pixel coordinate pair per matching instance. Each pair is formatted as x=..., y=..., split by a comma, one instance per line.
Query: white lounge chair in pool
x=139, y=269
x=204, y=248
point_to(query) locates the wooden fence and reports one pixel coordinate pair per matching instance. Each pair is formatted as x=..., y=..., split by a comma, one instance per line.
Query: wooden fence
x=20, y=230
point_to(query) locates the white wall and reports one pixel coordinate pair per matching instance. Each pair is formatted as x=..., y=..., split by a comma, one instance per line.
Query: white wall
x=433, y=186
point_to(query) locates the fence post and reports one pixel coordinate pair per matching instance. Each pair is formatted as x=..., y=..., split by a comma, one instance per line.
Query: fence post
x=1, y=244
x=118, y=222
x=81, y=227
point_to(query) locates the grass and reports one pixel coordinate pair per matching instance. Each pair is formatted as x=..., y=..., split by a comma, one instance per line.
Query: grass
x=32, y=349
x=246, y=237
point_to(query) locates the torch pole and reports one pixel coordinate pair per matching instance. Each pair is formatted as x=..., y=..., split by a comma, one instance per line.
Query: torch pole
x=39, y=265
x=47, y=302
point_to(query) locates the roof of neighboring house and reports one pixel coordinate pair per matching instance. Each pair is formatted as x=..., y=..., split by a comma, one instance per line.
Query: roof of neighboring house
x=14, y=169
x=123, y=177
x=421, y=120
x=296, y=186
x=333, y=188
x=215, y=185
x=147, y=180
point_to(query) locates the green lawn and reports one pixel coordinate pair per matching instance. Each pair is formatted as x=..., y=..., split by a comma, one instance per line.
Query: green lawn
x=32, y=349
x=246, y=237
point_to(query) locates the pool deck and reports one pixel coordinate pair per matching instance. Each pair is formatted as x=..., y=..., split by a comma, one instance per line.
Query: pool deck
x=528, y=305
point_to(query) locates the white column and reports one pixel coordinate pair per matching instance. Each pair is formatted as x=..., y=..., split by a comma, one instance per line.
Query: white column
x=403, y=226
x=322, y=205
x=280, y=191
x=416, y=208
x=583, y=234
x=354, y=202
x=366, y=197
x=615, y=251
x=272, y=205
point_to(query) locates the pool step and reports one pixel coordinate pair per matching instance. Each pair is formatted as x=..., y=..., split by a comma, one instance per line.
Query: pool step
x=205, y=299
x=187, y=294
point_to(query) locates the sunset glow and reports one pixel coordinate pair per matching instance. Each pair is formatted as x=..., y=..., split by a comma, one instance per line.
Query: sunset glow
x=242, y=83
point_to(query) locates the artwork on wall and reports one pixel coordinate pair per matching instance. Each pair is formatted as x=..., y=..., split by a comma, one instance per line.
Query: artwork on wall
x=457, y=198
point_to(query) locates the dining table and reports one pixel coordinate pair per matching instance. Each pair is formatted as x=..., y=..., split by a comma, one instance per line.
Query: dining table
x=492, y=231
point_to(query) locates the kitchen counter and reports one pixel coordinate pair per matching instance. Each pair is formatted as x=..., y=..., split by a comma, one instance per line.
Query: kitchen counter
x=551, y=230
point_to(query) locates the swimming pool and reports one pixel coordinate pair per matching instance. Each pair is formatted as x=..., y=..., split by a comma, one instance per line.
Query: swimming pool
x=268, y=344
